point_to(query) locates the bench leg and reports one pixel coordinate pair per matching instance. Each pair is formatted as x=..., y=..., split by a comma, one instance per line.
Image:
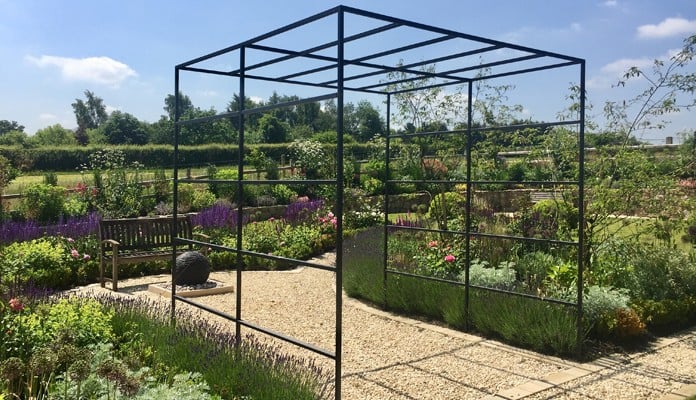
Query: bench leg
x=101, y=271
x=114, y=275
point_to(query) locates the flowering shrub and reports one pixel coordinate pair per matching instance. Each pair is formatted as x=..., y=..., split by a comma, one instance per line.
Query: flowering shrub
x=119, y=189
x=434, y=169
x=410, y=221
x=16, y=340
x=440, y=260
x=53, y=262
x=327, y=223
x=76, y=227
x=221, y=216
x=302, y=210
x=310, y=157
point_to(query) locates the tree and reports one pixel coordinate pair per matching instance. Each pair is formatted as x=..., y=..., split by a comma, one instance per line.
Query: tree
x=7, y=174
x=89, y=115
x=123, y=128
x=623, y=178
x=54, y=135
x=419, y=104
x=185, y=105
x=370, y=122
x=8, y=126
x=14, y=138
x=251, y=121
x=668, y=91
x=272, y=129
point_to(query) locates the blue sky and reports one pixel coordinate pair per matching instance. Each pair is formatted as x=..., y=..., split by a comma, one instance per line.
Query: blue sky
x=125, y=51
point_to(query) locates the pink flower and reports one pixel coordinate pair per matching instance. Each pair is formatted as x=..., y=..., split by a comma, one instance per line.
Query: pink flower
x=71, y=240
x=271, y=219
x=74, y=253
x=86, y=257
x=449, y=258
x=16, y=304
x=330, y=214
x=432, y=243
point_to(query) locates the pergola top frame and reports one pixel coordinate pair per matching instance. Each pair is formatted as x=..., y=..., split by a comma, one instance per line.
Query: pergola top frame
x=510, y=59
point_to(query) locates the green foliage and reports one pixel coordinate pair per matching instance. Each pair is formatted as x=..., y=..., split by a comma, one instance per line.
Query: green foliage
x=185, y=195
x=43, y=203
x=668, y=314
x=40, y=261
x=441, y=259
x=120, y=192
x=228, y=191
x=662, y=273
x=84, y=320
x=202, y=199
x=501, y=277
x=446, y=206
x=55, y=135
x=310, y=157
x=283, y=194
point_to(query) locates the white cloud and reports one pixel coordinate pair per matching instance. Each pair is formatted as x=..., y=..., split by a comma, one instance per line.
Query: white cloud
x=666, y=28
x=612, y=72
x=610, y=3
x=109, y=109
x=208, y=93
x=99, y=70
x=47, y=116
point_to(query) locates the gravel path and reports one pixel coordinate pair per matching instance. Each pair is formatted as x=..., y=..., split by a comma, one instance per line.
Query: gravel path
x=386, y=356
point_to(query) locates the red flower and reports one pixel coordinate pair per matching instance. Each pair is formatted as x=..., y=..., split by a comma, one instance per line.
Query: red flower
x=432, y=243
x=449, y=258
x=16, y=304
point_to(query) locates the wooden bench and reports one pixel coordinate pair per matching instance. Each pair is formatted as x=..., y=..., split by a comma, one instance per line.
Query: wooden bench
x=134, y=240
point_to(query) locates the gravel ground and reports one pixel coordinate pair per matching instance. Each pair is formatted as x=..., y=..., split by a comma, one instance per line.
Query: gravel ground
x=386, y=356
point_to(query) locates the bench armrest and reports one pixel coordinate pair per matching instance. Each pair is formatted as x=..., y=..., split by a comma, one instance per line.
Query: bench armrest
x=200, y=235
x=114, y=243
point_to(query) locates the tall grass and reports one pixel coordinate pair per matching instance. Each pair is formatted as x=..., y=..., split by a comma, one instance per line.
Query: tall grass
x=252, y=369
x=525, y=322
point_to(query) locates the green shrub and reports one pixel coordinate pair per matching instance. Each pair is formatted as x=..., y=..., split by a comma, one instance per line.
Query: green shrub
x=501, y=277
x=283, y=194
x=41, y=261
x=186, y=193
x=446, y=206
x=662, y=273
x=533, y=268
x=85, y=321
x=43, y=203
x=547, y=219
x=372, y=186
x=202, y=199
x=668, y=314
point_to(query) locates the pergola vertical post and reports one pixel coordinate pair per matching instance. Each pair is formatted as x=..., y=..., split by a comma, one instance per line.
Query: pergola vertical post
x=339, y=203
x=240, y=191
x=581, y=208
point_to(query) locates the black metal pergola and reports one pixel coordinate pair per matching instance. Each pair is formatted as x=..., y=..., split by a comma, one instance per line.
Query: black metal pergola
x=357, y=51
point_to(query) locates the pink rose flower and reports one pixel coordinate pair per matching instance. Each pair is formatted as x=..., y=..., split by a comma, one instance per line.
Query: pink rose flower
x=432, y=243
x=86, y=257
x=16, y=304
x=449, y=258
x=74, y=253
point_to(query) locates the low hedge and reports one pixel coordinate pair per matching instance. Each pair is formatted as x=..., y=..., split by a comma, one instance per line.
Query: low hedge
x=67, y=158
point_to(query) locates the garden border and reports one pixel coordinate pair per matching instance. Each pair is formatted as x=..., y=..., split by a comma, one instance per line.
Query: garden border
x=365, y=73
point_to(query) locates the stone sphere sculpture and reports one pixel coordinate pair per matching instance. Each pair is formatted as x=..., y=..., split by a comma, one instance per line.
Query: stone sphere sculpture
x=192, y=268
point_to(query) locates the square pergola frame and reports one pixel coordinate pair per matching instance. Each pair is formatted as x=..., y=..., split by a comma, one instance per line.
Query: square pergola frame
x=277, y=57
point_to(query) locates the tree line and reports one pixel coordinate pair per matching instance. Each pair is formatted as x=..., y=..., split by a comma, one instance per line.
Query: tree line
x=281, y=125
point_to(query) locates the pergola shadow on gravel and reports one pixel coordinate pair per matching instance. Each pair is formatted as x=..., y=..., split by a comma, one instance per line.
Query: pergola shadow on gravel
x=344, y=51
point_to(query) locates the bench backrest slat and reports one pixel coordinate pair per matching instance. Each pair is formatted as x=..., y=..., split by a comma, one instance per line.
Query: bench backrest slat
x=143, y=233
